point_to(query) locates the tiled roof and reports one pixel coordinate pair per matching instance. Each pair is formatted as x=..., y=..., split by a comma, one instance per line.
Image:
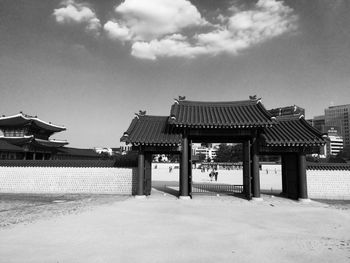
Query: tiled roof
x=78, y=152
x=151, y=130
x=58, y=163
x=5, y=146
x=328, y=166
x=23, y=119
x=238, y=114
x=17, y=140
x=33, y=141
x=292, y=131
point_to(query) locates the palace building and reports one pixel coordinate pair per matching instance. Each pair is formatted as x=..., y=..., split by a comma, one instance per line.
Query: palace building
x=26, y=137
x=261, y=133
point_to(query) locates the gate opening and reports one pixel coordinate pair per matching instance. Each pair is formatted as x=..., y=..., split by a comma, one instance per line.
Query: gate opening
x=217, y=169
x=165, y=174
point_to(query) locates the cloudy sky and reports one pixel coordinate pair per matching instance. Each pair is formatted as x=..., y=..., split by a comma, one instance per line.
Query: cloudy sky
x=90, y=65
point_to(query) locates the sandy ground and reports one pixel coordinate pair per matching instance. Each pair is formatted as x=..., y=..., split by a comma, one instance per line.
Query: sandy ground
x=162, y=228
x=24, y=209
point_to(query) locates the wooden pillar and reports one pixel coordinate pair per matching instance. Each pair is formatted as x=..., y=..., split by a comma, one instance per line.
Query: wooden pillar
x=284, y=175
x=148, y=174
x=247, y=188
x=141, y=174
x=302, y=183
x=190, y=168
x=255, y=170
x=184, y=182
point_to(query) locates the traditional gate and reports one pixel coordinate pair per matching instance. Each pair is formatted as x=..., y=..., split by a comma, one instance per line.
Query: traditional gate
x=247, y=122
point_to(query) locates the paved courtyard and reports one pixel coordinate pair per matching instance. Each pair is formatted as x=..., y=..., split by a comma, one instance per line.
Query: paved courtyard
x=162, y=228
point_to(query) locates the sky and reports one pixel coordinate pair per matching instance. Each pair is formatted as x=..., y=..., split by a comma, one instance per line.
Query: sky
x=91, y=65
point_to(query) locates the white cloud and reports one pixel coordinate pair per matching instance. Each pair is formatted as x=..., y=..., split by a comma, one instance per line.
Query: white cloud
x=270, y=18
x=151, y=19
x=243, y=29
x=71, y=12
x=171, y=46
x=220, y=41
x=175, y=28
x=116, y=31
x=151, y=26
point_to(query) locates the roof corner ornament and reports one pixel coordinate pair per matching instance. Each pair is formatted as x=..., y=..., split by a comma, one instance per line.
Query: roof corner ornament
x=301, y=116
x=141, y=113
x=181, y=98
x=254, y=97
x=125, y=134
x=295, y=108
x=273, y=118
x=173, y=117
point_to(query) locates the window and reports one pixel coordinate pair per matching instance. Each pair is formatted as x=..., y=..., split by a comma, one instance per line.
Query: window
x=14, y=133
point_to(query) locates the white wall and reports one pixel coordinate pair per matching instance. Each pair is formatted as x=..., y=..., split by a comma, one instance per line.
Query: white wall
x=326, y=184
x=45, y=180
x=48, y=180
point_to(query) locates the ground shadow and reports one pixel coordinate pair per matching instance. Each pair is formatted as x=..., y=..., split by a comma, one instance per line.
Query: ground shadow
x=167, y=187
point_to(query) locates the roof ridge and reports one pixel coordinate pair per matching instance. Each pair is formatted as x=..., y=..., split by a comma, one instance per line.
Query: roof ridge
x=289, y=117
x=219, y=102
x=153, y=117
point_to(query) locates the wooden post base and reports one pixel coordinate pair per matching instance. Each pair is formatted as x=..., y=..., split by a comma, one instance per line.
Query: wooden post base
x=184, y=197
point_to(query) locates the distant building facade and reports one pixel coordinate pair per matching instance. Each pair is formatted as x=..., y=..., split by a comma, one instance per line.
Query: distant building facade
x=287, y=111
x=319, y=122
x=210, y=151
x=339, y=116
x=105, y=150
x=335, y=142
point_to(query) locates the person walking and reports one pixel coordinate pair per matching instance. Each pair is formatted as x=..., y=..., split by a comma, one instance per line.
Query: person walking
x=211, y=175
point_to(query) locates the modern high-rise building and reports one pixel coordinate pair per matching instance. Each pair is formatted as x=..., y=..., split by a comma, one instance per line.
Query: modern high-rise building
x=319, y=123
x=339, y=116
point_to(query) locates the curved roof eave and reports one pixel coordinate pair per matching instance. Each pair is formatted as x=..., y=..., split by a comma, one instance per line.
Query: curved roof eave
x=151, y=130
x=293, y=131
x=40, y=123
x=50, y=143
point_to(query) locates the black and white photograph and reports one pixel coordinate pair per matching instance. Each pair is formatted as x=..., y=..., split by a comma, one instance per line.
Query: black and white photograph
x=174, y=131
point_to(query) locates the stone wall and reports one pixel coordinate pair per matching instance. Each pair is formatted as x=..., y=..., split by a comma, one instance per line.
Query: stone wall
x=53, y=180
x=328, y=184
x=322, y=184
